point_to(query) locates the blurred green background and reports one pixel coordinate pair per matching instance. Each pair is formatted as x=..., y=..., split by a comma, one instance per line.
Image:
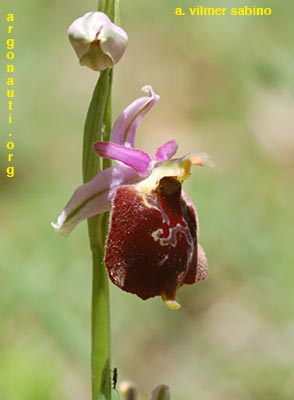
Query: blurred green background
x=226, y=87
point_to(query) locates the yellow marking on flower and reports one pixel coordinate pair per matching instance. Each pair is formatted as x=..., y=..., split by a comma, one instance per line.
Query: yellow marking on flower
x=178, y=168
x=172, y=304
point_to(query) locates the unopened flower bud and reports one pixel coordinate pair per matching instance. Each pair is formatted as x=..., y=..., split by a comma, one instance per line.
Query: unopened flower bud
x=161, y=392
x=128, y=390
x=98, y=43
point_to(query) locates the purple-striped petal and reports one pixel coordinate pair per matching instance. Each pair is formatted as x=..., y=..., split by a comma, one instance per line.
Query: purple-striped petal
x=134, y=158
x=125, y=127
x=166, y=151
x=94, y=197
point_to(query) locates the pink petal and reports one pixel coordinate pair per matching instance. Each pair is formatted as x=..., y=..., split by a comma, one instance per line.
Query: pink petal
x=125, y=127
x=166, y=151
x=94, y=197
x=134, y=158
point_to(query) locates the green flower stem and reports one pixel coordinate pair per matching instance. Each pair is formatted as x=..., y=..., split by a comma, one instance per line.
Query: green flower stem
x=111, y=8
x=98, y=127
x=100, y=354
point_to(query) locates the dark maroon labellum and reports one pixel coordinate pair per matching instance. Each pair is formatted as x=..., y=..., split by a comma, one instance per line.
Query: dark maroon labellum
x=152, y=246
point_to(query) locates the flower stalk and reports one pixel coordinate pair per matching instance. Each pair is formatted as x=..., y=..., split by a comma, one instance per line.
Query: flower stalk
x=98, y=127
x=98, y=120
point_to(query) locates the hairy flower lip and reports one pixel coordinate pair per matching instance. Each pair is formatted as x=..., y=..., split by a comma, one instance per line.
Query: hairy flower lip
x=152, y=247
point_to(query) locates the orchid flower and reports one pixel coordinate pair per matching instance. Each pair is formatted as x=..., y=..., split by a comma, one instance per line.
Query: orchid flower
x=152, y=246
